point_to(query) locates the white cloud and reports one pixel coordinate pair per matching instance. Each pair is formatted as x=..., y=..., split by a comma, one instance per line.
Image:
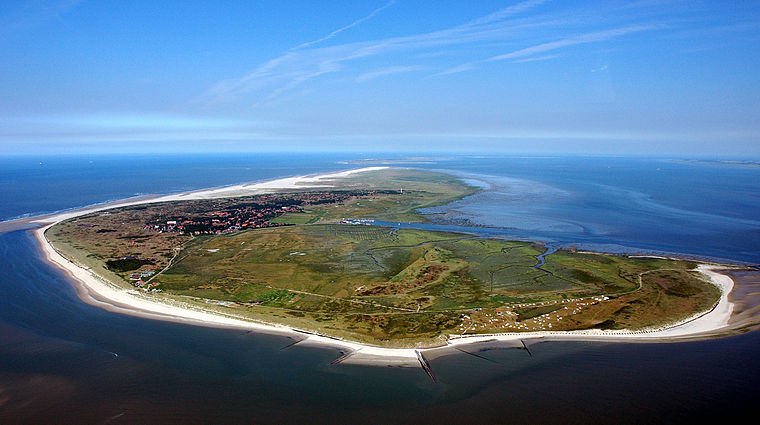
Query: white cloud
x=536, y=58
x=349, y=26
x=457, y=69
x=371, y=75
x=302, y=64
x=572, y=41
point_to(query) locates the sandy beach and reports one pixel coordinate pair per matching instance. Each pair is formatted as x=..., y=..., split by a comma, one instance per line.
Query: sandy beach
x=97, y=291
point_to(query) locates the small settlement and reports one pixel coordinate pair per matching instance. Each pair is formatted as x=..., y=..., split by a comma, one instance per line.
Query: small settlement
x=251, y=214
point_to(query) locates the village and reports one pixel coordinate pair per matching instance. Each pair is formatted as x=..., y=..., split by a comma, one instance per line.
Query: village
x=248, y=214
x=219, y=222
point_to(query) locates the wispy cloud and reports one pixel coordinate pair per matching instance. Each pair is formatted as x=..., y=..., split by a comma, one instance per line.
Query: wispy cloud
x=31, y=14
x=537, y=58
x=387, y=71
x=456, y=70
x=506, y=12
x=572, y=41
x=349, y=26
x=508, y=26
x=304, y=63
x=527, y=54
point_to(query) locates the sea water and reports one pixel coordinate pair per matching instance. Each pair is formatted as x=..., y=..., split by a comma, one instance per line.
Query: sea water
x=65, y=361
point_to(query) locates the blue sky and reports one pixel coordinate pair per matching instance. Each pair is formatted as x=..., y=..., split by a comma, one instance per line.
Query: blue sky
x=620, y=77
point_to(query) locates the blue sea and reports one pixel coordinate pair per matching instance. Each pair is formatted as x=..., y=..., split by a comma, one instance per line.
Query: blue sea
x=62, y=361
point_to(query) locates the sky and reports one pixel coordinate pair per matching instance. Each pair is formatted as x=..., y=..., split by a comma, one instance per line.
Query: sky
x=589, y=77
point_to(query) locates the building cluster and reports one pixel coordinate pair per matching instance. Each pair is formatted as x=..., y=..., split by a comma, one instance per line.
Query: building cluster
x=249, y=214
x=357, y=221
x=139, y=278
x=217, y=222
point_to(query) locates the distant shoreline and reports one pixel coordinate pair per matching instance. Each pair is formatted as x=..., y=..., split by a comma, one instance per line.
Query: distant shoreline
x=96, y=291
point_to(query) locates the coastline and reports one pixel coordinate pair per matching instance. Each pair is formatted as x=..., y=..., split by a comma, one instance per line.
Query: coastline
x=96, y=291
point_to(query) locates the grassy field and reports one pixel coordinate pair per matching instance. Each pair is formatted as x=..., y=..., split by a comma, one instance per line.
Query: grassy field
x=305, y=217
x=382, y=285
x=102, y=237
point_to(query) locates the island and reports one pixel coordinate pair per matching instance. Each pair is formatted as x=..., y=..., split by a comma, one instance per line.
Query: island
x=326, y=258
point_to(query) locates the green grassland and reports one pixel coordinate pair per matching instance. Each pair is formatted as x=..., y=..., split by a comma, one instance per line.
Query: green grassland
x=381, y=285
x=306, y=217
x=367, y=282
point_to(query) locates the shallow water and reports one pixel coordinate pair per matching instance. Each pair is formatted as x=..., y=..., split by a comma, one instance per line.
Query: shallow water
x=617, y=205
x=63, y=361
